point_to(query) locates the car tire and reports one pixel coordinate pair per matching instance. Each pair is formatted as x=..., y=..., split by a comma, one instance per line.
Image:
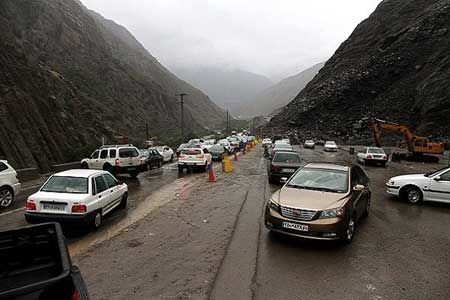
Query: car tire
x=97, y=220
x=123, y=202
x=159, y=164
x=412, y=194
x=349, y=232
x=180, y=169
x=84, y=166
x=271, y=180
x=6, y=197
x=171, y=158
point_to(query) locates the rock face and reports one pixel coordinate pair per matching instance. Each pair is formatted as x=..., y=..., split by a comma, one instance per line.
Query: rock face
x=394, y=66
x=68, y=77
x=280, y=94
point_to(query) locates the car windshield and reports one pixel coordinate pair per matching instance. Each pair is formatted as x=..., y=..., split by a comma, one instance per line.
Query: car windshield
x=327, y=180
x=309, y=142
x=128, y=152
x=282, y=146
x=330, y=144
x=66, y=184
x=216, y=148
x=191, y=151
x=376, y=151
x=431, y=174
x=286, y=158
x=144, y=153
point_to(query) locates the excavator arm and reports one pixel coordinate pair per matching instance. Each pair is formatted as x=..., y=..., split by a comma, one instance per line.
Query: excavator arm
x=379, y=125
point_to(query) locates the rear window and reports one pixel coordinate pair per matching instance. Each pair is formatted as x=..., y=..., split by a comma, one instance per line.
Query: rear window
x=286, y=158
x=376, y=151
x=283, y=146
x=66, y=184
x=128, y=152
x=191, y=151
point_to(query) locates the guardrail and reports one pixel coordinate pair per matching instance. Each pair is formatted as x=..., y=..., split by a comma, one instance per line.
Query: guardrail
x=65, y=167
x=27, y=174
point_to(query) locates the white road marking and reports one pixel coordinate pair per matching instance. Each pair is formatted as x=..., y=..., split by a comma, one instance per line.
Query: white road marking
x=12, y=211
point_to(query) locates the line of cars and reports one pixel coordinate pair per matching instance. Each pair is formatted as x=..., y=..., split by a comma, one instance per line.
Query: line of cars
x=325, y=201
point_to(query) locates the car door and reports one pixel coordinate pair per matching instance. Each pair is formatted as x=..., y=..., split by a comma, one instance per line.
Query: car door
x=357, y=196
x=115, y=193
x=439, y=189
x=102, y=195
x=93, y=161
x=101, y=159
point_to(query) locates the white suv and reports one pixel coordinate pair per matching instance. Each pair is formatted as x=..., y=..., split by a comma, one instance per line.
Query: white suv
x=76, y=197
x=116, y=159
x=9, y=184
x=194, y=158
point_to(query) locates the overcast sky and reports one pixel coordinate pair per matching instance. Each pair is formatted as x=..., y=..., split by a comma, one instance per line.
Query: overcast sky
x=269, y=37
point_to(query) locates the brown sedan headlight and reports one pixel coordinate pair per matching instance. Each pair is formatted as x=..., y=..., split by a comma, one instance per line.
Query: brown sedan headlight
x=274, y=205
x=332, y=213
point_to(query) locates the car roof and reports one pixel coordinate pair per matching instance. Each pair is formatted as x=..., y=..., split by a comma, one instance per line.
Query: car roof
x=327, y=166
x=84, y=173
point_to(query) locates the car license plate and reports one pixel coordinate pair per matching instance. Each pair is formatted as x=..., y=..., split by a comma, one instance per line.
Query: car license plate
x=54, y=206
x=299, y=227
x=287, y=170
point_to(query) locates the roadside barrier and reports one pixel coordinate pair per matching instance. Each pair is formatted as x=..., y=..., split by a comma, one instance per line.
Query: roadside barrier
x=211, y=175
x=226, y=165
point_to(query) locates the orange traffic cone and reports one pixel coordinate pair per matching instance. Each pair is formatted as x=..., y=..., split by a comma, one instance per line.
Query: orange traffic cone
x=211, y=176
x=235, y=156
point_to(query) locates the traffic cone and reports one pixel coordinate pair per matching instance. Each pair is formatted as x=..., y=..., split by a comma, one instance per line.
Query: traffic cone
x=211, y=175
x=235, y=156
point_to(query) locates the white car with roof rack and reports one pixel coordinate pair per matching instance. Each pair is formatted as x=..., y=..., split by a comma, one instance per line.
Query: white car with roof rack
x=76, y=197
x=116, y=159
x=372, y=155
x=9, y=184
x=198, y=158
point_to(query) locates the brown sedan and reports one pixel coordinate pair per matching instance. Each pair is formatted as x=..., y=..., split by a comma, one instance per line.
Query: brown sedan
x=320, y=201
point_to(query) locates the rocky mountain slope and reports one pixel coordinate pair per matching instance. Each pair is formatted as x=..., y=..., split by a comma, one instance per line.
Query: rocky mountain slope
x=69, y=77
x=394, y=66
x=279, y=94
x=228, y=88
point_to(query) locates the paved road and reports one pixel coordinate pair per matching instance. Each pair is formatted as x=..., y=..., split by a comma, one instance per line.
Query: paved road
x=185, y=238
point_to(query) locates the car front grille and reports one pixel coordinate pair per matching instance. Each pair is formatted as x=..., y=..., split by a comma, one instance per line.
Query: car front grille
x=298, y=214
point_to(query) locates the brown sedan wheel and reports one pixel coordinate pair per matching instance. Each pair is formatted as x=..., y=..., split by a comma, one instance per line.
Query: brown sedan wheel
x=350, y=230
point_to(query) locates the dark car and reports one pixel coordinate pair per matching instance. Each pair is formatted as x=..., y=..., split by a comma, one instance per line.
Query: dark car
x=217, y=152
x=280, y=147
x=321, y=202
x=283, y=164
x=152, y=158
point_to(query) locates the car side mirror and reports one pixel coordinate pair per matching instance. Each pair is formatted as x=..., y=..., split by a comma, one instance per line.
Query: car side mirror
x=283, y=180
x=359, y=187
x=437, y=178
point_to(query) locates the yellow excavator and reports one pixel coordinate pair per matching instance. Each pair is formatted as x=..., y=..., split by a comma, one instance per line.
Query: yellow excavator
x=420, y=148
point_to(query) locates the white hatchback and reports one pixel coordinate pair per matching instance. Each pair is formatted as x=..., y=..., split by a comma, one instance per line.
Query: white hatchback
x=76, y=197
x=330, y=146
x=194, y=158
x=9, y=184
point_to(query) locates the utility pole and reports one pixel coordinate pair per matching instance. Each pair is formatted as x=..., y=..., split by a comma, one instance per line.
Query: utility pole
x=182, y=114
x=228, y=125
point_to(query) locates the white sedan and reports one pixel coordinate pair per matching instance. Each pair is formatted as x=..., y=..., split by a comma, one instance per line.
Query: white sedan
x=433, y=186
x=76, y=197
x=330, y=146
x=9, y=184
x=372, y=155
x=166, y=152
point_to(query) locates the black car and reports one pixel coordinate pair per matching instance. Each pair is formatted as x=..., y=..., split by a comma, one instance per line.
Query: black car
x=217, y=152
x=283, y=164
x=152, y=158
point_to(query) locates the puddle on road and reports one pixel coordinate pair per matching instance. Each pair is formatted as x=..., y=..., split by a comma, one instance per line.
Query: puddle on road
x=178, y=189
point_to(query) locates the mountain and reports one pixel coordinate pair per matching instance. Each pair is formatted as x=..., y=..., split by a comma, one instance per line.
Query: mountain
x=280, y=94
x=69, y=77
x=394, y=66
x=228, y=88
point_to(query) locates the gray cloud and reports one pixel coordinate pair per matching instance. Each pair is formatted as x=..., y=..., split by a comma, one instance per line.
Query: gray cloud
x=269, y=37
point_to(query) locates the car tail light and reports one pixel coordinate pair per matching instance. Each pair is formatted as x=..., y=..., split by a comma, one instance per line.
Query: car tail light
x=181, y=155
x=79, y=208
x=117, y=163
x=384, y=156
x=275, y=168
x=200, y=156
x=369, y=156
x=30, y=205
x=75, y=295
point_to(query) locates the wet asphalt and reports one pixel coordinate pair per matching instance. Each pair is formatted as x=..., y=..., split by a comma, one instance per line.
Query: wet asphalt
x=182, y=237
